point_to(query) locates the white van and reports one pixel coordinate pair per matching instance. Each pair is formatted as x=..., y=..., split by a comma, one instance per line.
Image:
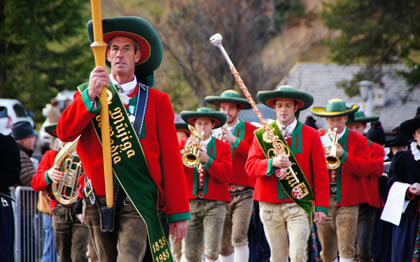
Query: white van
x=12, y=111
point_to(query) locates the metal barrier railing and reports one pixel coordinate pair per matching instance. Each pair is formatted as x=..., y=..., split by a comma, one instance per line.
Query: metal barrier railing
x=28, y=226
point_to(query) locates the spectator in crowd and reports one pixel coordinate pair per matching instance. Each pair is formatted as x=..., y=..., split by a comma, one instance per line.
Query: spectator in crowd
x=25, y=137
x=9, y=176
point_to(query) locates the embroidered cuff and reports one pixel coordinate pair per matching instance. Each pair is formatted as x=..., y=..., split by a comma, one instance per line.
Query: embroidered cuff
x=47, y=179
x=92, y=107
x=207, y=166
x=236, y=144
x=321, y=209
x=270, y=168
x=178, y=217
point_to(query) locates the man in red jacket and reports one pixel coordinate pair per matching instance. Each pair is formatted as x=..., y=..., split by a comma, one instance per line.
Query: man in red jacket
x=370, y=200
x=207, y=184
x=71, y=236
x=340, y=228
x=147, y=167
x=239, y=134
x=286, y=200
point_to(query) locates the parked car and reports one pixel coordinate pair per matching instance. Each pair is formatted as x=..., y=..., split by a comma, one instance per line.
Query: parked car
x=12, y=111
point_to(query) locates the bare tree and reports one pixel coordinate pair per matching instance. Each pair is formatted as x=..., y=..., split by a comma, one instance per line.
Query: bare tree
x=246, y=26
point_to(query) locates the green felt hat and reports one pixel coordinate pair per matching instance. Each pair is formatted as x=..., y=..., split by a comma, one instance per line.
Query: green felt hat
x=229, y=96
x=51, y=129
x=268, y=98
x=335, y=107
x=204, y=112
x=146, y=36
x=182, y=126
x=359, y=117
x=408, y=127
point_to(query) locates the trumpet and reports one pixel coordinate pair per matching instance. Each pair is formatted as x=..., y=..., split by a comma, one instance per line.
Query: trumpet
x=65, y=192
x=220, y=133
x=333, y=162
x=191, y=151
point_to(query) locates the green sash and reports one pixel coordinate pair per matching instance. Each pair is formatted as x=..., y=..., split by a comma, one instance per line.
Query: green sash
x=301, y=193
x=130, y=169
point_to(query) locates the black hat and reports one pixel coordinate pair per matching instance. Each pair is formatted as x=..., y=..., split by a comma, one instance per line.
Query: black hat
x=396, y=140
x=51, y=129
x=23, y=129
x=408, y=127
x=376, y=133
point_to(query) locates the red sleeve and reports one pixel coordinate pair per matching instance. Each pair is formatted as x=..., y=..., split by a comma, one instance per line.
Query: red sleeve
x=75, y=118
x=244, y=145
x=38, y=182
x=320, y=179
x=376, y=160
x=174, y=182
x=356, y=161
x=221, y=168
x=257, y=164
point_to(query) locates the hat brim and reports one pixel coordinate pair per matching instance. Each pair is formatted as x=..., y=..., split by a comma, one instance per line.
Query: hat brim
x=268, y=98
x=396, y=141
x=320, y=111
x=365, y=119
x=408, y=127
x=191, y=116
x=138, y=29
x=51, y=129
x=216, y=100
x=181, y=126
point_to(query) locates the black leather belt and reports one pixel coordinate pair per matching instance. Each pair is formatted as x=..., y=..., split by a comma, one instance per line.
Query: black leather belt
x=88, y=191
x=333, y=189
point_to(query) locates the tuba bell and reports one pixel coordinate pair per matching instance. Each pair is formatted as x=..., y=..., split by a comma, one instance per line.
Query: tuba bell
x=191, y=150
x=333, y=162
x=65, y=192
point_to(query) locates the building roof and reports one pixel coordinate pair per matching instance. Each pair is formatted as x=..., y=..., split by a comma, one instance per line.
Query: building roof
x=321, y=80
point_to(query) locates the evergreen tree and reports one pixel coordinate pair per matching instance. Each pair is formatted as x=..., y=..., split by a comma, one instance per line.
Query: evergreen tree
x=376, y=32
x=43, y=49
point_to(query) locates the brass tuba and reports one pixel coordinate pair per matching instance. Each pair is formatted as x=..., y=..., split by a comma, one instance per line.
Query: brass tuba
x=192, y=149
x=65, y=192
x=333, y=162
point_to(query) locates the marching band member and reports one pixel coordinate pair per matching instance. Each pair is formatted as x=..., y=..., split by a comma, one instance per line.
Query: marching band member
x=286, y=200
x=207, y=182
x=405, y=168
x=370, y=200
x=239, y=134
x=147, y=168
x=71, y=235
x=340, y=229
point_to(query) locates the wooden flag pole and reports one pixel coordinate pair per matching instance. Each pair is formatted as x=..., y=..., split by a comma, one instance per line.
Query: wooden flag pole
x=99, y=50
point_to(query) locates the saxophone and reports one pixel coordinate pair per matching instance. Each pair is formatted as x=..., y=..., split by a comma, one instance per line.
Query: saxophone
x=191, y=150
x=65, y=192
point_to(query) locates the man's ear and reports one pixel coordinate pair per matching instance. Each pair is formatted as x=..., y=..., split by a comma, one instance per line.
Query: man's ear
x=137, y=55
x=106, y=54
x=213, y=124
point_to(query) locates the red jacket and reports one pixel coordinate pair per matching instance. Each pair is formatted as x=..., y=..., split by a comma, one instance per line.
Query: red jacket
x=219, y=173
x=160, y=148
x=354, y=166
x=240, y=155
x=311, y=160
x=39, y=180
x=370, y=183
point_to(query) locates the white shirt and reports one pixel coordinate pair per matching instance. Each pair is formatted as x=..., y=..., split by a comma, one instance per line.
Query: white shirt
x=327, y=139
x=287, y=130
x=231, y=128
x=206, y=142
x=126, y=88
